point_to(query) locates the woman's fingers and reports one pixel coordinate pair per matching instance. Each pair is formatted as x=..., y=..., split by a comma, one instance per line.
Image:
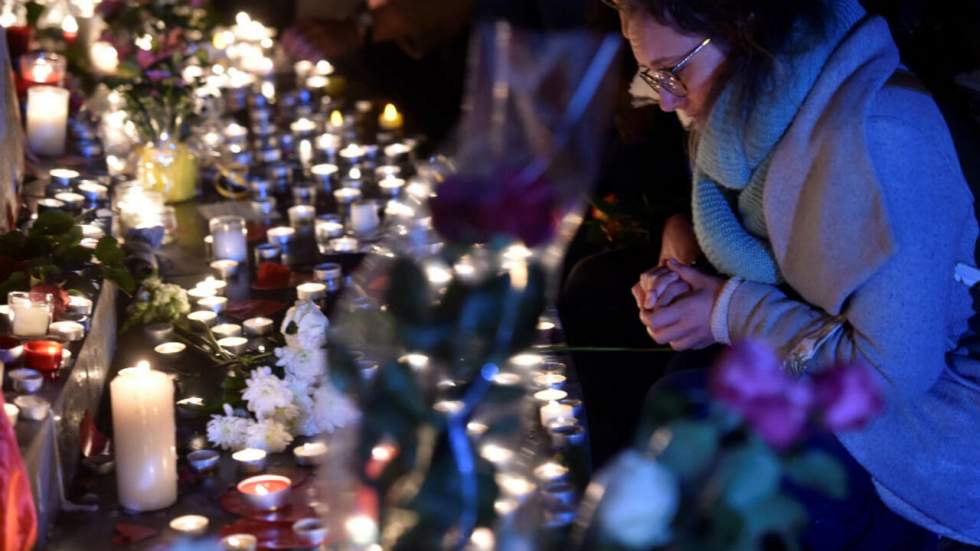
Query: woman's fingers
x=674, y=290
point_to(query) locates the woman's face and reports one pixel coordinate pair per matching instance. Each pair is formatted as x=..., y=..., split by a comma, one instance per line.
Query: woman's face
x=658, y=46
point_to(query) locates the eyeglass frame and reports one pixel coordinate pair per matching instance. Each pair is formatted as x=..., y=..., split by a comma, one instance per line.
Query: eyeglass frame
x=668, y=74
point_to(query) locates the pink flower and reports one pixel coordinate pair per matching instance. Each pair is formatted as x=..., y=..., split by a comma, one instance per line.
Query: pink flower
x=472, y=209
x=848, y=396
x=748, y=378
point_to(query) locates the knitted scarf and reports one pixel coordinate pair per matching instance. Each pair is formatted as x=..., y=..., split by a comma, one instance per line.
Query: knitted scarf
x=733, y=150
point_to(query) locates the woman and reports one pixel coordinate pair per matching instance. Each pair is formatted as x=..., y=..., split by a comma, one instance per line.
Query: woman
x=827, y=193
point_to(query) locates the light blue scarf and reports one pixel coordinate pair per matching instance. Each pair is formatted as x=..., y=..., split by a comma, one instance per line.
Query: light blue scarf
x=733, y=151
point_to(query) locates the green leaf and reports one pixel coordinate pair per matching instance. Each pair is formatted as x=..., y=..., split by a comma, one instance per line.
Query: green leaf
x=52, y=223
x=692, y=448
x=819, y=471
x=748, y=474
x=776, y=514
x=108, y=251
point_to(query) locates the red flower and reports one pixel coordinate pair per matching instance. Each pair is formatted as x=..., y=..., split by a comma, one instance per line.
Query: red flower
x=60, y=301
x=848, y=396
x=472, y=209
x=272, y=275
x=749, y=379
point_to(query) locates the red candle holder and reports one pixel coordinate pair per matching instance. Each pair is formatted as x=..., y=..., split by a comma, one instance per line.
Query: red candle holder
x=43, y=68
x=44, y=356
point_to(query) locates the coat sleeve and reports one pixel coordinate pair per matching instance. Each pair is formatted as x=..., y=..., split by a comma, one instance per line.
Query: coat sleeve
x=897, y=318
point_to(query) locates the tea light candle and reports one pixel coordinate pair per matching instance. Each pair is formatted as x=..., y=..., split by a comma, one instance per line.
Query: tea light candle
x=311, y=291
x=364, y=217
x=217, y=285
x=280, y=235
x=352, y=154
x=391, y=186
x=48, y=204
x=347, y=195
x=227, y=330
x=33, y=408
x=390, y=118
x=214, y=304
x=250, y=460
x=548, y=379
x=190, y=525
x=93, y=192
x=551, y=472
x=63, y=176
x=328, y=144
x=203, y=461
x=496, y=454
x=397, y=152
x=258, y=326
x=225, y=268
x=239, y=542
x=266, y=252
x=12, y=412
x=170, y=351
x=80, y=305
x=144, y=433
x=197, y=293
x=553, y=411
x=266, y=492
x=44, y=356
x=328, y=229
x=310, y=454
x=301, y=216
x=235, y=133
x=91, y=231
x=47, y=119
x=73, y=201
x=234, y=345
x=344, y=245
x=328, y=273
x=550, y=395
x=311, y=531
x=203, y=316
x=303, y=128
x=67, y=330
x=26, y=381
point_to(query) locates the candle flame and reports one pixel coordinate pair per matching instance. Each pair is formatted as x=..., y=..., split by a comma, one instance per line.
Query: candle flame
x=336, y=118
x=41, y=71
x=261, y=490
x=390, y=112
x=143, y=365
x=355, y=173
x=69, y=25
x=324, y=67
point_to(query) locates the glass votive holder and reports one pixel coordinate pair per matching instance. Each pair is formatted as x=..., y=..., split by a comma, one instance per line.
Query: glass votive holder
x=43, y=356
x=264, y=207
x=398, y=153
x=203, y=461
x=387, y=171
x=301, y=217
x=266, y=252
x=324, y=175
x=328, y=144
x=364, y=219
x=26, y=380
x=304, y=195
x=343, y=245
x=330, y=274
x=30, y=313
x=281, y=236
x=215, y=304
x=67, y=330
x=170, y=352
x=93, y=192
x=347, y=195
x=159, y=332
x=42, y=67
x=228, y=234
x=224, y=268
x=63, y=177
x=49, y=205
x=234, y=345
x=260, y=188
x=354, y=179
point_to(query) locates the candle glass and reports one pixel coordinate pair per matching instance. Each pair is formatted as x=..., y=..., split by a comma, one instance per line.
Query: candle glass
x=47, y=120
x=228, y=234
x=266, y=492
x=30, y=313
x=43, y=68
x=364, y=220
x=26, y=381
x=301, y=217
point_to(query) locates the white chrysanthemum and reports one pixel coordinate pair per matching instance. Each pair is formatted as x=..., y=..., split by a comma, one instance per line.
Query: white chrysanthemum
x=227, y=431
x=641, y=499
x=332, y=409
x=305, y=326
x=264, y=393
x=305, y=365
x=268, y=435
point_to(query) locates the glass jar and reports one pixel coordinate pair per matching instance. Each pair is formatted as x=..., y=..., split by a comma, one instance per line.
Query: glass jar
x=228, y=234
x=30, y=313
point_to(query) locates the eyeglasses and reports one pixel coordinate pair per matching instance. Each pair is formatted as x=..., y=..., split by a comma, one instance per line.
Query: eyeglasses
x=666, y=79
x=614, y=4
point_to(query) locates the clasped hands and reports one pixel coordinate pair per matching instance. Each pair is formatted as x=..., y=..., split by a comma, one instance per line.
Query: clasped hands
x=675, y=302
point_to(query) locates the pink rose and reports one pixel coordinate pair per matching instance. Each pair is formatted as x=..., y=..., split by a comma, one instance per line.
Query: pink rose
x=848, y=396
x=749, y=379
x=472, y=209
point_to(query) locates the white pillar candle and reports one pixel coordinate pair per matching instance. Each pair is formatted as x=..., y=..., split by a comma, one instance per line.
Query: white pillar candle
x=47, y=119
x=228, y=238
x=553, y=411
x=29, y=317
x=311, y=291
x=144, y=435
x=364, y=217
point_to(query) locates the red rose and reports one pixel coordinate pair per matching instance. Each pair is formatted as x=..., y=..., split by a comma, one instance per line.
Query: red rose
x=848, y=396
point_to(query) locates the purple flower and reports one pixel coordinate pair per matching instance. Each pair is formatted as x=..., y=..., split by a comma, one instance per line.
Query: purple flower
x=472, y=209
x=848, y=396
x=749, y=379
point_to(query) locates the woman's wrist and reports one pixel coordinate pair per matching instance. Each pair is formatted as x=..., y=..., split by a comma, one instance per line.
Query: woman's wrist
x=719, y=311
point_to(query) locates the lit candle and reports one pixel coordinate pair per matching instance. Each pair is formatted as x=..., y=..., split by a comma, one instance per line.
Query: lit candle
x=550, y=395
x=496, y=454
x=551, y=472
x=93, y=192
x=507, y=379
x=44, y=356
x=228, y=235
x=26, y=381
x=216, y=285
x=203, y=316
x=239, y=542
x=170, y=351
x=352, y=153
x=265, y=492
x=250, y=460
x=214, y=304
x=258, y=326
x=91, y=231
x=390, y=118
x=33, y=408
x=72, y=200
x=234, y=345
x=144, y=437
x=301, y=216
x=104, y=57
x=227, y=330
x=364, y=217
x=344, y=245
x=327, y=229
x=324, y=174
x=303, y=128
x=553, y=411
x=310, y=531
x=336, y=121
x=12, y=412
x=310, y=454
x=280, y=235
x=63, y=176
x=362, y=530
x=47, y=119
x=199, y=292
x=397, y=152
x=328, y=144
x=30, y=313
x=347, y=195
x=548, y=379
x=225, y=268
x=311, y=291
x=391, y=187
x=190, y=525
x=67, y=330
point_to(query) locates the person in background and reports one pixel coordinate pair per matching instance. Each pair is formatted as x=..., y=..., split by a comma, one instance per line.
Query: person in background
x=828, y=197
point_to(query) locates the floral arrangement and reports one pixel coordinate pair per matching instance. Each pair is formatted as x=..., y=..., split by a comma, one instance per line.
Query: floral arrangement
x=711, y=475
x=50, y=254
x=156, y=301
x=274, y=408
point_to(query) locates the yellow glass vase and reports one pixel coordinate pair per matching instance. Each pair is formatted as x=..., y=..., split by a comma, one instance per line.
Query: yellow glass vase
x=169, y=168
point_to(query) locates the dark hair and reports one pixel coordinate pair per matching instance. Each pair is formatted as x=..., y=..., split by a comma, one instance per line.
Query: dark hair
x=753, y=33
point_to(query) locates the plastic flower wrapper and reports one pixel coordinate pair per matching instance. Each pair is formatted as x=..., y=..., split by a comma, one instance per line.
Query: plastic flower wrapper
x=457, y=284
